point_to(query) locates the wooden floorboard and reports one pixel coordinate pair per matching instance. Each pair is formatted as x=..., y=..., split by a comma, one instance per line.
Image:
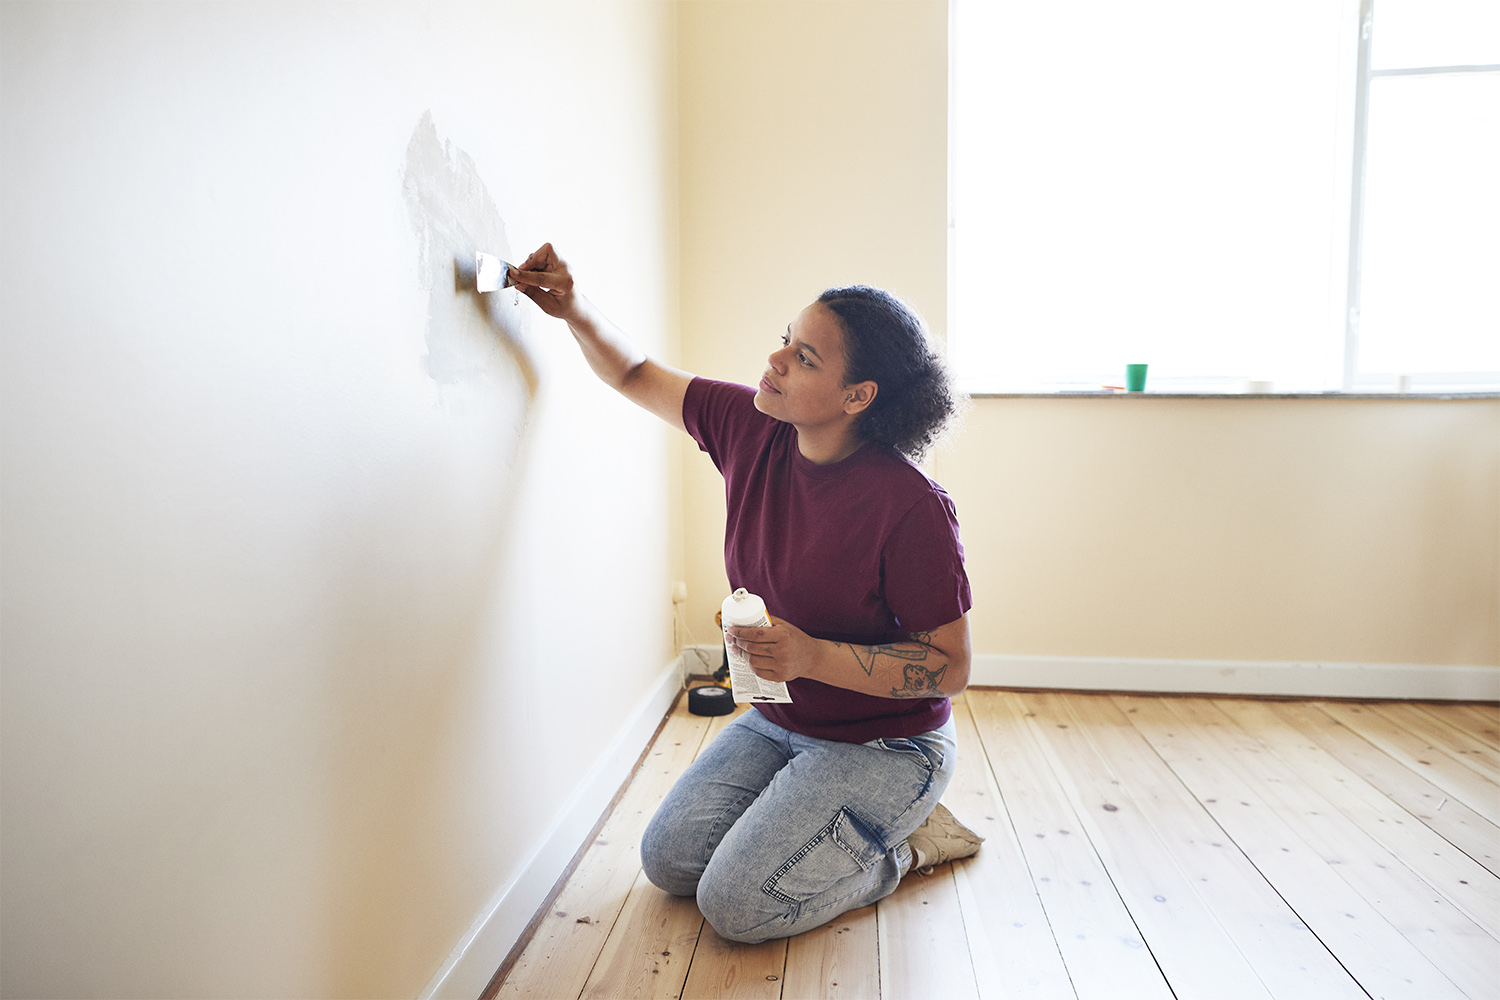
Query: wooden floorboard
x=1397, y=894
x=1011, y=942
x=1449, y=771
x=1285, y=958
x=1194, y=950
x=1411, y=791
x=1448, y=870
x=1474, y=753
x=743, y=971
x=923, y=952
x=838, y=961
x=1100, y=943
x=1136, y=846
x=1480, y=721
x=1380, y=958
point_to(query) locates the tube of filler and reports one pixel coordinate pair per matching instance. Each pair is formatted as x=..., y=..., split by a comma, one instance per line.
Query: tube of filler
x=744, y=608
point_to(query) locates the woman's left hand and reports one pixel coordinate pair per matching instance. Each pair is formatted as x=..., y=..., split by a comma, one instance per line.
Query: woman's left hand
x=778, y=652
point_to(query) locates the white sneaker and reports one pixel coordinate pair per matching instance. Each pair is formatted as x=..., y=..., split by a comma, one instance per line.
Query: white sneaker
x=940, y=839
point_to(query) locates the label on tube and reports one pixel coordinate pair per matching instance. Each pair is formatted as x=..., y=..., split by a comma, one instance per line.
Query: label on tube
x=744, y=608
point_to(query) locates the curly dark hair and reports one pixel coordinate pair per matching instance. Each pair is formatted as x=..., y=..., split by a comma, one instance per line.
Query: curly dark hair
x=886, y=342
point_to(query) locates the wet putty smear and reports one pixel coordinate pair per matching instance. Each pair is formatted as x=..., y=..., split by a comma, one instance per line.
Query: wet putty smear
x=472, y=340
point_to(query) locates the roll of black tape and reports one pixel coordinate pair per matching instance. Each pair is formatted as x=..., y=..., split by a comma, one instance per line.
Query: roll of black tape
x=710, y=700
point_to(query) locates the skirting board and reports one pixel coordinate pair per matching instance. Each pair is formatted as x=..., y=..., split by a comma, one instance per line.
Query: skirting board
x=1294, y=679
x=1418, y=682
x=473, y=961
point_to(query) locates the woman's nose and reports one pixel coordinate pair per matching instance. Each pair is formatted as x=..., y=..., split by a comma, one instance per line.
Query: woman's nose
x=778, y=360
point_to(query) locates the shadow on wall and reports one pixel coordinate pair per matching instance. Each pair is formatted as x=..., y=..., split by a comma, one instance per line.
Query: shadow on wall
x=408, y=676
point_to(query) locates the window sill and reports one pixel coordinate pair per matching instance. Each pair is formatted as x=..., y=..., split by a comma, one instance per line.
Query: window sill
x=1148, y=394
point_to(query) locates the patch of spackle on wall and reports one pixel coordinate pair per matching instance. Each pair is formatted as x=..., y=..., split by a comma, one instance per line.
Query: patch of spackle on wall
x=472, y=339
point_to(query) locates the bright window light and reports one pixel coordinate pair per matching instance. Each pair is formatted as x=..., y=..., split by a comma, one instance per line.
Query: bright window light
x=1435, y=33
x=1173, y=183
x=1430, y=288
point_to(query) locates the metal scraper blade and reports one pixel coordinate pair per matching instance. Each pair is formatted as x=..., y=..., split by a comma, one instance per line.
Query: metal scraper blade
x=490, y=272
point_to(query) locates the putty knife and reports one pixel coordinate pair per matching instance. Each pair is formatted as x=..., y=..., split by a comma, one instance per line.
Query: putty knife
x=490, y=273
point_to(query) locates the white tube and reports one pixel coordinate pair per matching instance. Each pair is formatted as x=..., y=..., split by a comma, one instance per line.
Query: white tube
x=744, y=608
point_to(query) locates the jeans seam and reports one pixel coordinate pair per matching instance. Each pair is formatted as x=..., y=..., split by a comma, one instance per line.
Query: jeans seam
x=719, y=828
x=932, y=758
x=769, y=888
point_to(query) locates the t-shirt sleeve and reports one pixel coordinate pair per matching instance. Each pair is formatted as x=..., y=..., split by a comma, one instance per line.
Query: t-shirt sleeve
x=922, y=564
x=713, y=413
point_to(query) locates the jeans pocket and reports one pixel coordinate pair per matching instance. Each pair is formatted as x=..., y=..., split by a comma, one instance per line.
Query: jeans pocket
x=929, y=756
x=843, y=849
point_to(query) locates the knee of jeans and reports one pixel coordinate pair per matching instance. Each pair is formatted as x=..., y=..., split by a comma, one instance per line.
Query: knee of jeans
x=666, y=869
x=737, y=911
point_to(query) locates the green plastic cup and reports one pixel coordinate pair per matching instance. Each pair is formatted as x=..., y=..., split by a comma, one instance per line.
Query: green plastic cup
x=1135, y=378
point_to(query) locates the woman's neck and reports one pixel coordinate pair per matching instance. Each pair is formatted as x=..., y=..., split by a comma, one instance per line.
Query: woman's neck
x=826, y=445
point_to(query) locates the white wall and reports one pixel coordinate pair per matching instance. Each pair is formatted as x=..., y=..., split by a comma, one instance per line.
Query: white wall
x=301, y=542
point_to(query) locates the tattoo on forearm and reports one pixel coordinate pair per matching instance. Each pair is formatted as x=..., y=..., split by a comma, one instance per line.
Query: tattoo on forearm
x=868, y=656
x=918, y=679
x=921, y=682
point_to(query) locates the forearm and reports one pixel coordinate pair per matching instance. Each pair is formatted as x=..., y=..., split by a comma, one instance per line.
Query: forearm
x=546, y=280
x=914, y=669
x=926, y=665
x=611, y=354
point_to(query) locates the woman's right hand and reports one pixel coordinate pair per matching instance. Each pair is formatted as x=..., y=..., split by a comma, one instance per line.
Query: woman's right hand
x=544, y=278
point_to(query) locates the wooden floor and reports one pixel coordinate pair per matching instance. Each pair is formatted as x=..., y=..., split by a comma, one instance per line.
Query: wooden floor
x=1137, y=847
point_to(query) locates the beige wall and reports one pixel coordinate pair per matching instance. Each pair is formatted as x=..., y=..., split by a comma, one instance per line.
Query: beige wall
x=1355, y=530
x=327, y=585
x=813, y=152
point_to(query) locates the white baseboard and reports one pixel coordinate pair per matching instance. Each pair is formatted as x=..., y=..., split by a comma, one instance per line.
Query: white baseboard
x=1253, y=677
x=473, y=961
x=1295, y=679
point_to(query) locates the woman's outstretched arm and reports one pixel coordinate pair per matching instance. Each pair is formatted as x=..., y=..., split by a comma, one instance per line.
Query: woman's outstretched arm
x=545, y=279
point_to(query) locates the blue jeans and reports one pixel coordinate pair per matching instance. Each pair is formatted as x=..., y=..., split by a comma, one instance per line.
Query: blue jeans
x=777, y=833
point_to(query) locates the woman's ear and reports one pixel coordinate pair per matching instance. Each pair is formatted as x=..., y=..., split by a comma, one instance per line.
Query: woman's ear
x=858, y=397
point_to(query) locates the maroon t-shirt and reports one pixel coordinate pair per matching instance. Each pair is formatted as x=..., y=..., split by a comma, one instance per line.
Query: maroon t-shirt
x=865, y=550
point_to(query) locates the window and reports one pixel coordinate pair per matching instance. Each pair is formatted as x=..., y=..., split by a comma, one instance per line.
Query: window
x=1424, y=292
x=1279, y=193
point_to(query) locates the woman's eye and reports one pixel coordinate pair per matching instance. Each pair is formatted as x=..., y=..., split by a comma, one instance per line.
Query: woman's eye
x=803, y=358
x=786, y=340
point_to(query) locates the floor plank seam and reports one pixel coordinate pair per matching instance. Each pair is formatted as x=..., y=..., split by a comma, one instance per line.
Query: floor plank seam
x=1270, y=883
x=1206, y=902
x=1050, y=756
x=1010, y=822
x=1349, y=873
x=1400, y=857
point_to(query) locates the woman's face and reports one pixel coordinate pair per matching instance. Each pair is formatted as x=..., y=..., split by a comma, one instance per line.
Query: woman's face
x=804, y=381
